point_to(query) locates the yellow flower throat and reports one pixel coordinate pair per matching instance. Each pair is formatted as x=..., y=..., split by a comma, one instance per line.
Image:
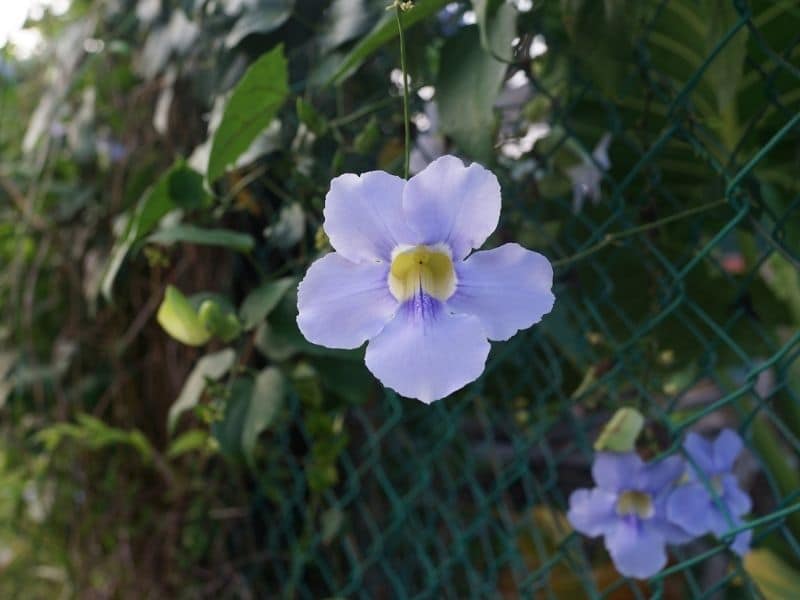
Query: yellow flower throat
x=422, y=268
x=635, y=503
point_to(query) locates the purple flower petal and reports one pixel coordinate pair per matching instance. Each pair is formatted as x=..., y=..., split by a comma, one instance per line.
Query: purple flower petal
x=592, y=512
x=720, y=524
x=427, y=353
x=689, y=506
x=700, y=450
x=726, y=449
x=507, y=288
x=672, y=533
x=741, y=543
x=364, y=216
x=448, y=202
x=658, y=475
x=343, y=304
x=614, y=471
x=737, y=500
x=637, y=551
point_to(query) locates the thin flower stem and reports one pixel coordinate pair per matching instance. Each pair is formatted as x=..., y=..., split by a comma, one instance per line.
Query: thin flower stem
x=613, y=237
x=406, y=122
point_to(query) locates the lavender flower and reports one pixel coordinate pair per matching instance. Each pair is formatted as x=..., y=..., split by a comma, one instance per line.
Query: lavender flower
x=628, y=509
x=403, y=277
x=712, y=501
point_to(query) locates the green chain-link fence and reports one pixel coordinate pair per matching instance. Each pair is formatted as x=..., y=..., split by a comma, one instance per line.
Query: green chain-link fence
x=677, y=294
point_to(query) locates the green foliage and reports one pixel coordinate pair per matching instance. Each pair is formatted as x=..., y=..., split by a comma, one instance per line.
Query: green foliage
x=190, y=147
x=234, y=240
x=384, y=31
x=262, y=300
x=468, y=86
x=254, y=102
x=621, y=431
x=776, y=580
x=180, y=187
x=209, y=368
x=251, y=409
x=95, y=434
x=180, y=319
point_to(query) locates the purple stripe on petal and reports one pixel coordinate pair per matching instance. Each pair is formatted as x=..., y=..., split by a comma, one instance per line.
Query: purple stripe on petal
x=426, y=352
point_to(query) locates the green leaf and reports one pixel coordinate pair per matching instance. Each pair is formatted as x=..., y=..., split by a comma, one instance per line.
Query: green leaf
x=260, y=302
x=266, y=401
x=348, y=379
x=775, y=579
x=331, y=523
x=309, y=115
x=368, y=137
x=254, y=102
x=223, y=325
x=241, y=242
x=195, y=439
x=725, y=71
x=180, y=320
x=251, y=409
x=265, y=17
x=278, y=338
x=384, y=31
x=212, y=366
x=93, y=433
x=783, y=279
x=487, y=11
x=620, y=433
x=467, y=86
x=179, y=187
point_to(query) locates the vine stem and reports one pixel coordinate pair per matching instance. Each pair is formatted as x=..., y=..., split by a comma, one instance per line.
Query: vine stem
x=613, y=237
x=406, y=122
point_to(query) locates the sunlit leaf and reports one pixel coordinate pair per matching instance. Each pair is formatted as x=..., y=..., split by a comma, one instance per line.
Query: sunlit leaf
x=620, y=433
x=180, y=319
x=221, y=324
x=254, y=102
x=775, y=579
x=195, y=439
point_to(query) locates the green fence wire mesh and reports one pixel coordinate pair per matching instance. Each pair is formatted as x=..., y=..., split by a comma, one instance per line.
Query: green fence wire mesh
x=677, y=294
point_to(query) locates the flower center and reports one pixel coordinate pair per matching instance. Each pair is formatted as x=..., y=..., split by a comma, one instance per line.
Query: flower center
x=422, y=268
x=635, y=503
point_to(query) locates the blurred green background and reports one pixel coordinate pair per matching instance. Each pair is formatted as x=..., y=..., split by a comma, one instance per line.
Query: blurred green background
x=155, y=143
